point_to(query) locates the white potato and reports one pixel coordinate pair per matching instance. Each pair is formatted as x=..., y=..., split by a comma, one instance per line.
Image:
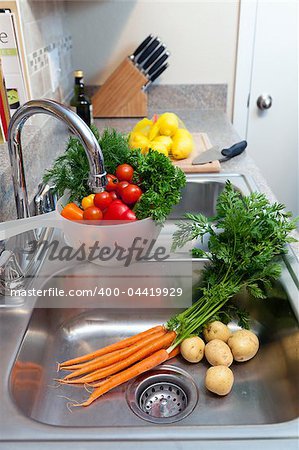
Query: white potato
x=192, y=349
x=219, y=380
x=216, y=330
x=218, y=353
x=244, y=345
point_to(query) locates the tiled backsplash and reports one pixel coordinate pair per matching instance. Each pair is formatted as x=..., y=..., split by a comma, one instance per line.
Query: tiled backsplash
x=44, y=28
x=38, y=59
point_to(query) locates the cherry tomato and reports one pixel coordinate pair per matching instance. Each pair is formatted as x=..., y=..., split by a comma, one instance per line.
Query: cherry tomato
x=113, y=195
x=87, y=201
x=115, y=210
x=128, y=215
x=131, y=194
x=124, y=172
x=102, y=200
x=121, y=186
x=92, y=213
x=112, y=183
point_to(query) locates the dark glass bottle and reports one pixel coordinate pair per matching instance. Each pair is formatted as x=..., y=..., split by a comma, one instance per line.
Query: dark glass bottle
x=74, y=103
x=79, y=78
x=83, y=105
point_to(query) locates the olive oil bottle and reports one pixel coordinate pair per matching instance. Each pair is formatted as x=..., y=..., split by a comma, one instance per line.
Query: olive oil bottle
x=80, y=102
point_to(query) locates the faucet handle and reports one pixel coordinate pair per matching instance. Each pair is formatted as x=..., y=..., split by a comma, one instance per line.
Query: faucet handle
x=45, y=199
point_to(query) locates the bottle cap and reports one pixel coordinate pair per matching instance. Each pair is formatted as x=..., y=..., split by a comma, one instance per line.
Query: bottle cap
x=78, y=73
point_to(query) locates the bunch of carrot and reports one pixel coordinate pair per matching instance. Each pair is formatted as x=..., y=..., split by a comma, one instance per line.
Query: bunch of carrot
x=111, y=366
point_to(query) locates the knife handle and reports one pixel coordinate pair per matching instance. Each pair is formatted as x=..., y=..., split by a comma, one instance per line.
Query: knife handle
x=234, y=150
x=148, y=50
x=141, y=46
x=158, y=63
x=156, y=74
x=153, y=57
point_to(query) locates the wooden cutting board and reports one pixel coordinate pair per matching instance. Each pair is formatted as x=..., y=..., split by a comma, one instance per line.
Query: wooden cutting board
x=201, y=144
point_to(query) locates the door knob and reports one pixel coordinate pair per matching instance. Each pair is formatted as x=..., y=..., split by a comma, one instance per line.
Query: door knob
x=264, y=101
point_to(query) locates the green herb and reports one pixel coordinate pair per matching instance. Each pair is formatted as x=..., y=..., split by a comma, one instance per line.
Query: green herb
x=161, y=183
x=159, y=179
x=245, y=238
x=70, y=171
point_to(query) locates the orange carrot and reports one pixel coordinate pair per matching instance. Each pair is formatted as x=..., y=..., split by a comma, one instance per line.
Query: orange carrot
x=174, y=352
x=118, y=352
x=116, y=356
x=137, y=356
x=146, y=364
x=98, y=359
x=116, y=346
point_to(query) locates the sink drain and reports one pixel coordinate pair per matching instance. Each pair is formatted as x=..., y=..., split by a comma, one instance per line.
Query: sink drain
x=163, y=400
x=164, y=395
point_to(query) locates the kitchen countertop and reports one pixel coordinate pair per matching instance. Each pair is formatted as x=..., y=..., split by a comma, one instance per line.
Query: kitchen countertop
x=220, y=131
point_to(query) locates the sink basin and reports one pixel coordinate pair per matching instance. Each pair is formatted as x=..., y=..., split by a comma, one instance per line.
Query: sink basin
x=265, y=390
x=262, y=406
x=198, y=198
x=200, y=195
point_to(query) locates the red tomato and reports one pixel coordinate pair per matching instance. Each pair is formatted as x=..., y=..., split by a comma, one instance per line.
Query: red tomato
x=115, y=210
x=128, y=215
x=121, y=186
x=92, y=213
x=112, y=183
x=124, y=172
x=131, y=194
x=113, y=195
x=102, y=200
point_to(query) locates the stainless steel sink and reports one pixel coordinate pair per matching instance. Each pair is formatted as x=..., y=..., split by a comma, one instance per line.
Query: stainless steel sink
x=265, y=391
x=261, y=410
x=200, y=196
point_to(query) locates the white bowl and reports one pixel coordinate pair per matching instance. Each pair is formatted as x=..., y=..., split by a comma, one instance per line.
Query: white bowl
x=109, y=237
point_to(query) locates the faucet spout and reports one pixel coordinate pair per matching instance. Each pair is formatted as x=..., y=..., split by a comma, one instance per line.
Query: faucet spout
x=97, y=177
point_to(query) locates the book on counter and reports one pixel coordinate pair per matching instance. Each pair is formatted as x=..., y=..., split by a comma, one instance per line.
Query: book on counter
x=11, y=61
x=4, y=107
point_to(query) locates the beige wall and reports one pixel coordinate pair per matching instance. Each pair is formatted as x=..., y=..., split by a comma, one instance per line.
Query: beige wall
x=201, y=36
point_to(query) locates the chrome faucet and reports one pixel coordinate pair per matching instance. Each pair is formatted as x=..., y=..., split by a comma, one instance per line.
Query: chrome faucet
x=97, y=177
x=13, y=268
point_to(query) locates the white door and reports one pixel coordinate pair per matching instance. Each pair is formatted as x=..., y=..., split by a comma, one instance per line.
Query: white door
x=272, y=110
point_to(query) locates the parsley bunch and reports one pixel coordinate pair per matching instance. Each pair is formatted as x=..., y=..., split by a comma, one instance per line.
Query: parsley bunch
x=246, y=236
x=160, y=181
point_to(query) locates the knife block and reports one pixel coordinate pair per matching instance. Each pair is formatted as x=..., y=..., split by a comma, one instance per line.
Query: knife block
x=121, y=94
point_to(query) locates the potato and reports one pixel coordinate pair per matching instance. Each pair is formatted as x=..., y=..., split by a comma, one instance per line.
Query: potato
x=244, y=345
x=219, y=380
x=218, y=353
x=216, y=330
x=192, y=349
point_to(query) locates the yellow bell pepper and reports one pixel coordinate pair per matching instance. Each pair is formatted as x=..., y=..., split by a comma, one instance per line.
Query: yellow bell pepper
x=87, y=201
